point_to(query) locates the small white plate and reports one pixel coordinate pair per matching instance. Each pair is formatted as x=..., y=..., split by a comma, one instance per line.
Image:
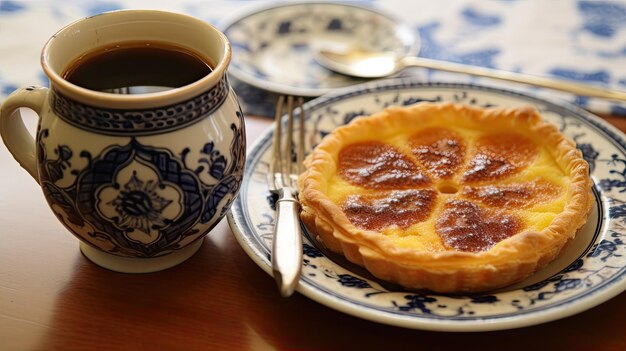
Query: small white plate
x=591, y=270
x=274, y=47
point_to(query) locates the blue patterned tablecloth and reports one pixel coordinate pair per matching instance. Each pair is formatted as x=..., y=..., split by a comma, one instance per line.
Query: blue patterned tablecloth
x=580, y=40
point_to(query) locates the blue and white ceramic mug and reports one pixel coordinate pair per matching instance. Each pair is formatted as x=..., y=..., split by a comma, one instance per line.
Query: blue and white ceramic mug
x=139, y=179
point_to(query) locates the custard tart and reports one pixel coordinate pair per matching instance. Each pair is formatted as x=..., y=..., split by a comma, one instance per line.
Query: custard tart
x=446, y=197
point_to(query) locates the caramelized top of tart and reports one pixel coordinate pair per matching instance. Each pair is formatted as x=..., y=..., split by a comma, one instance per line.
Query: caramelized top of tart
x=453, y=163
x=376, y=165
x=471, y=185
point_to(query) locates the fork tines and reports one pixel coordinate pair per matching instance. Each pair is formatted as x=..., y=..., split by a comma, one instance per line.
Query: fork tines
x=282, y=169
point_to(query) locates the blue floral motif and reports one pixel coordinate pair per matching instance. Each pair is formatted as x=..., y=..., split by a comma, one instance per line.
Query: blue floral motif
x=413, y=100
x=335, y=24
x=431, y=48
x=603, y=77
x=477, y=18
x=307, y=263
x=311, y=251
x=143, y=200
x=540, y=285
x=617, y=211
x=607, y=248
x=608, y=184
x=231, y=178
x=417, y=302
x=11, y=6
x=550, y=288
x=567, y=284
x=55, y=168
x=602, y=18
x=99, y=184
x=284, y=27
x=576, y=265
x=431, y=304
x=589, y=154
x=353, y=282
x=61, y=199
x=271, y=199
x=214, y=160
x=348, y=117
x=483, y=299
x=138, y=205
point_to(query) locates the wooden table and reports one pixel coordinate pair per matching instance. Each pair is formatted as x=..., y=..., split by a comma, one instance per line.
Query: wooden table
x=52, y=298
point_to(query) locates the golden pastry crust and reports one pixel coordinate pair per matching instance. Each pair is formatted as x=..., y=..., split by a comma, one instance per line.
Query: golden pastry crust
x=472, y=170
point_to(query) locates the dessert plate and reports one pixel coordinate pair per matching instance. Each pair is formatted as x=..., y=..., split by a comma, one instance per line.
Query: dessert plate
x=589, y=271
x=274, y=47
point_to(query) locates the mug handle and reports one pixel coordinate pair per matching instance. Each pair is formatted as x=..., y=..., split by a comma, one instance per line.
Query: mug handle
x=16, y=137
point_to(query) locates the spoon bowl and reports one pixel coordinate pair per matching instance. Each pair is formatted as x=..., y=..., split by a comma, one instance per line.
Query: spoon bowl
x=362, y=64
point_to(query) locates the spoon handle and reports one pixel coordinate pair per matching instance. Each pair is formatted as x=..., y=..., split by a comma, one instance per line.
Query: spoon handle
x=545, y=82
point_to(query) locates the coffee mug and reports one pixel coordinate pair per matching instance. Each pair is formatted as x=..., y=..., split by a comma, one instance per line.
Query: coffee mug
x=140, y=179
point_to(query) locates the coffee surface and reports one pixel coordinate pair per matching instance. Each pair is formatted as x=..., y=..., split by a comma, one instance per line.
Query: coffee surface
x=137, y=67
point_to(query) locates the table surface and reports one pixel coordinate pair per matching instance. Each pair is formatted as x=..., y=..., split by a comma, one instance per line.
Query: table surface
x=53, y=298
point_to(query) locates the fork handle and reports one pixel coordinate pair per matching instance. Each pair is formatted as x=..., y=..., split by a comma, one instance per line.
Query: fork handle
x=287, y=244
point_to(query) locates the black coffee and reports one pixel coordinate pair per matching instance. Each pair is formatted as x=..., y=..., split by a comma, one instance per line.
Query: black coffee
x=137, y=67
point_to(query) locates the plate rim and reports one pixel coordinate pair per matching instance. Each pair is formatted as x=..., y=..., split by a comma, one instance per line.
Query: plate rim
x=278, y=88
x=603, y=293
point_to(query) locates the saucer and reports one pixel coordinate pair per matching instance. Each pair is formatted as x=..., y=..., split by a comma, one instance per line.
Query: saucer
x=274, y=47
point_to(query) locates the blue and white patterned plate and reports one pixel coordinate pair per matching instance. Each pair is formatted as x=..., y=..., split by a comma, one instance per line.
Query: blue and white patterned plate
x=591, y=270
x=274, y=47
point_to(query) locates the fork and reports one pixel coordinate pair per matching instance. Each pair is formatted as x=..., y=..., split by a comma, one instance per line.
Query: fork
x=287, y=242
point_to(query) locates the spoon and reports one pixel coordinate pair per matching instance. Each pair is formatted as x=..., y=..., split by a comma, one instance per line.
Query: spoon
x=367, y=64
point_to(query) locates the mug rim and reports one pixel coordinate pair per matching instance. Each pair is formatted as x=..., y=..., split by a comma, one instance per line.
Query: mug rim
x=122, y=101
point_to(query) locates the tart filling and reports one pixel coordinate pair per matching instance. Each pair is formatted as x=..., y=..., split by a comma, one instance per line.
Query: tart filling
x=446, y=197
